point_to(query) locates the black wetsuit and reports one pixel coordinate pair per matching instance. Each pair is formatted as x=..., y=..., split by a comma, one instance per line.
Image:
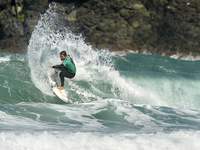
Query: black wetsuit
x=64, y=73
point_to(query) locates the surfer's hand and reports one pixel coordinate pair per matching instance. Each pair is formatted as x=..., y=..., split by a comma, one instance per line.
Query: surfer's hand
x=50, y=66
x=70, y=55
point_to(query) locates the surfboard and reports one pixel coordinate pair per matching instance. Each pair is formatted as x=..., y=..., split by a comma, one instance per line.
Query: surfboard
x=62, y=94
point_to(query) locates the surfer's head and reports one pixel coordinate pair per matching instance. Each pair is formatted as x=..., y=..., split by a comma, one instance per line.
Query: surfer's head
x=63, y=55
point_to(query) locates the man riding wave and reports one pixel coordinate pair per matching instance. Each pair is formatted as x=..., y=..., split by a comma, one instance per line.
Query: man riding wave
x=68, y=68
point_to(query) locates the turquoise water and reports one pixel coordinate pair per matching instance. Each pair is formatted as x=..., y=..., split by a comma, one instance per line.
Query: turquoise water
x=135, y=101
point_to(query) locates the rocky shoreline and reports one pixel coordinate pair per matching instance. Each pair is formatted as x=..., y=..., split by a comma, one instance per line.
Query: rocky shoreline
x=161, y=27
x=17, y=21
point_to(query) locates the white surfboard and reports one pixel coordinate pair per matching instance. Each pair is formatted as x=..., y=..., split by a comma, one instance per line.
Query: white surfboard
x=62, y=94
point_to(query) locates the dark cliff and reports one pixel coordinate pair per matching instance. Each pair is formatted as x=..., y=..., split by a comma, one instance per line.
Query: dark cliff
x=17, y=21
x=153, y=26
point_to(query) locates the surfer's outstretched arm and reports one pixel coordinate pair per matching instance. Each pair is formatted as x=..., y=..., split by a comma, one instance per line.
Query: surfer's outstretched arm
x=58, y=66
x=61, y=67
x=50, y=66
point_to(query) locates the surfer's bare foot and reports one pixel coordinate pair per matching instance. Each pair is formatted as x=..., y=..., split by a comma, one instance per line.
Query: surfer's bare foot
x=60, y=87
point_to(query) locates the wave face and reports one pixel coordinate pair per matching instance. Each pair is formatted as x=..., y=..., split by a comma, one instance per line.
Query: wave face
x=141, y=79
x=49, y=38
x=135, y=101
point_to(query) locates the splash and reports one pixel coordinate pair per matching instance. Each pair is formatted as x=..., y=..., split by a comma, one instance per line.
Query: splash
x=49, y=38
x=96, y=76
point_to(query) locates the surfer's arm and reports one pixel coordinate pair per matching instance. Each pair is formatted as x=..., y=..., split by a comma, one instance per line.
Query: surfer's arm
x=61, y=67
x=58, y=66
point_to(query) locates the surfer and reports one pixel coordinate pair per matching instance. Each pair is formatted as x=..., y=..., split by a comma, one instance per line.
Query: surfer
x=68, y=68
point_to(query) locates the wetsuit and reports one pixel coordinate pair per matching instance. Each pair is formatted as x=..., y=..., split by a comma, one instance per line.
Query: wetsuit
x=68, y=69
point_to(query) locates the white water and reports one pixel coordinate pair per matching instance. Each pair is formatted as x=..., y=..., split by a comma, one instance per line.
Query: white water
x=101, y=124
x=93, y=66
x=42, y=136
x=4, y=59
x=96, y=141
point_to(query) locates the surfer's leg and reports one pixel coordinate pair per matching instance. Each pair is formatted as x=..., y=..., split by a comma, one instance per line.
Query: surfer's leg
x=62, y=78
x=61, y=81
x=54, y=74
x=62, y=75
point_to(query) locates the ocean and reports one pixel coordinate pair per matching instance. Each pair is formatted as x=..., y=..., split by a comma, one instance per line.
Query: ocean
x=116, y=102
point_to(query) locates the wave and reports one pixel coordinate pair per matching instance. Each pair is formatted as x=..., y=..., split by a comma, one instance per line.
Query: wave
x=98, y=116
x=96, y=76
x=89, y=141
x=137, y=78
x=112, y=122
